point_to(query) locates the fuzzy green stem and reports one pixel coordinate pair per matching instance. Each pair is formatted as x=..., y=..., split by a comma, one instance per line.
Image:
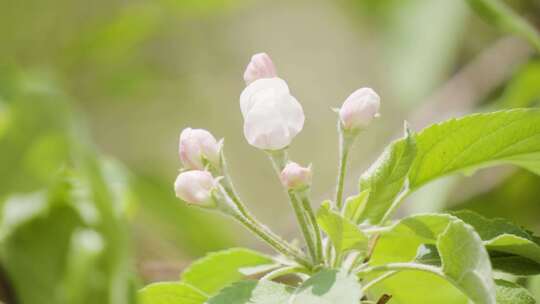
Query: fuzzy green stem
x=303, y=223
x=306, y=204
x=228, y=207
x=279, y=160
x=226, y=182
x=328, y=253
x=345, y=142
x=228, y=187
x=276, y=244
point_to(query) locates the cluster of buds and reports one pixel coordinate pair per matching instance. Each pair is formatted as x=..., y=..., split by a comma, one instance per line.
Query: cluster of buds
x=198, y=148
x=273, y=117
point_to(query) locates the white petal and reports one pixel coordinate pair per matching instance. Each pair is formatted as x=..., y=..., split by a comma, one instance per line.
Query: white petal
x=292, y=112
x=265, y=128
x=252, y=93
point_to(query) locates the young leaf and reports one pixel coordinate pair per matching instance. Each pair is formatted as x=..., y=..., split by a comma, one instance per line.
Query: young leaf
x=502, y=16
x=219, y=269
x=513, y=264
x=511, y=248
x=343, y=233
x=170, y=293
x=328, y=287
x=466, y=262
x=477, y=141
x=516, y=245
x=490, y=228
x=354, y=206
x=512, y=293
x=401, y=245
x=253, y=292
x=387, y=177
x=509, y=263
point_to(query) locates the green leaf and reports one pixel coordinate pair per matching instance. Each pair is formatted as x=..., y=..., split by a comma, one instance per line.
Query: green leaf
x=35, y=252
x=499, y=14
x=513, y=264
x=509, y=263
x=511, y=248
x=343, y=233
x=512, y=293
x=328, y=287
x=252, y=292
x=477, y=141
x=534, y=286
x=490, y=228
x=516, y=245
x=402, y=244
x=219, y=269
x=355, y=205
x=86, y=248
x=170, y=293
x=387, y=177
x=466, y=262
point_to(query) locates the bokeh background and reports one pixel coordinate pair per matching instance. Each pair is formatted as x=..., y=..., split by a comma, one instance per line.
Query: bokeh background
x=93, y=95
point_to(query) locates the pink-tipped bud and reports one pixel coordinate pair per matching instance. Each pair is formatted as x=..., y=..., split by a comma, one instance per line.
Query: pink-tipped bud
x=197, y=145
x=260, y=66
x=195, y=187
x=295, y=176
x=359, y=109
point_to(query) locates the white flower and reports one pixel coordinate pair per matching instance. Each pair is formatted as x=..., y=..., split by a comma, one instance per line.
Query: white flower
x=295, y=176
x=196, y=145
x=272, y=116
x=359, y=109
x=195, y=187
x=260, y=66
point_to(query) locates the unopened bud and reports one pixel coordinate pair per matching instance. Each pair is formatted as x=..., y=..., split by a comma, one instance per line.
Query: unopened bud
x=272, y=116
x=195, y=187
x=294, y=176
x=359, y=109
x=197, y=145
x=260, y=66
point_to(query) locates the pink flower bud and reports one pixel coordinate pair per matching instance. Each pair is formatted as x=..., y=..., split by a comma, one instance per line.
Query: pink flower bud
x=196, y=145
x=195, y=187
x=295, y=176
x=260, y=66
x=359, y=109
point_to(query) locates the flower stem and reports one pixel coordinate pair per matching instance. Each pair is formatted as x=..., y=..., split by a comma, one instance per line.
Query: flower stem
x=306, y=204
x=228, y=187
x=277, y=244
x=303, y=223
x=232, y=206
x=279, y=160
x=227, y=184
x=345, y=142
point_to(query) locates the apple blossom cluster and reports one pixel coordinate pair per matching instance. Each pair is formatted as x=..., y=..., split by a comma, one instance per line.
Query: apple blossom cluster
x=273, y=117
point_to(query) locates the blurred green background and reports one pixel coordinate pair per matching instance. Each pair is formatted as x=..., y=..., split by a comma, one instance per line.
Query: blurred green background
x=93, y=95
